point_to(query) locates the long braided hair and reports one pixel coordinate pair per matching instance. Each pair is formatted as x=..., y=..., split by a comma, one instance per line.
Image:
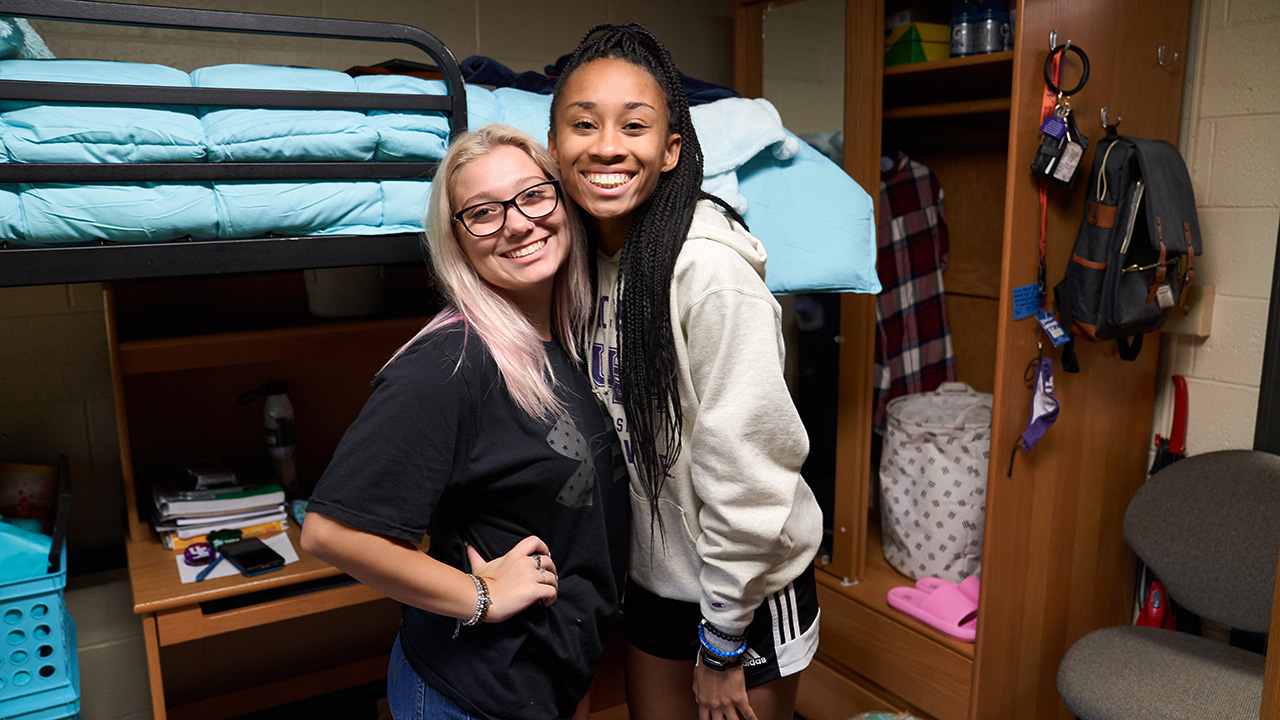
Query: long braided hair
x=649, y=393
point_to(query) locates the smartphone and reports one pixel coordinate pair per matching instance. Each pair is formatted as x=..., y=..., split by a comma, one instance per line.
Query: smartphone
x=251, y=556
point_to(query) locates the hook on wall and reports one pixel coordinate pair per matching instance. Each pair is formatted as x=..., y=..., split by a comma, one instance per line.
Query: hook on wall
x=1053, y=40
x=1106, y=120
x=1160, y=57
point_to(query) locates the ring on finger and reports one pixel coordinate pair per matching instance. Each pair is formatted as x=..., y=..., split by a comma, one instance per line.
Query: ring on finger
x=537, y=561
x=544, y=574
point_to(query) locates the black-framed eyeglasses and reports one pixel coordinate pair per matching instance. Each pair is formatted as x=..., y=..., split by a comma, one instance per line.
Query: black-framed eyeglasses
x=485, y=219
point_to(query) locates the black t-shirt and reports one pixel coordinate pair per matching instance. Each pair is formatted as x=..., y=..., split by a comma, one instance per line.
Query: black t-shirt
x=441, y=448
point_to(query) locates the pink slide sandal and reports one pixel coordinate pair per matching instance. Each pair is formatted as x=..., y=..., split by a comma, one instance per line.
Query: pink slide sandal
x=945, y=606
x=968, y=586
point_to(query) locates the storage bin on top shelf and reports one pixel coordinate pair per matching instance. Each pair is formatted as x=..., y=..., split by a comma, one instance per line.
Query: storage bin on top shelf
x=933, y=481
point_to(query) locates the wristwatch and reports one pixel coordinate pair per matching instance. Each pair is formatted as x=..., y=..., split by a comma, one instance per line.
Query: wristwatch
x=718, y=664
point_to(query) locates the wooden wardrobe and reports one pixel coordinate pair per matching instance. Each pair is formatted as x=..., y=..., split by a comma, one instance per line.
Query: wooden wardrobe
x=1055, y=563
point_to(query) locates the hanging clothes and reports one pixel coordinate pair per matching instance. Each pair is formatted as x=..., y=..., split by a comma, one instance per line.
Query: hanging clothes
x=913, y=339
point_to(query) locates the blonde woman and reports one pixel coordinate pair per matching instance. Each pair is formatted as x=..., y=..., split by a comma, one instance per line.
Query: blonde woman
x=484, y=433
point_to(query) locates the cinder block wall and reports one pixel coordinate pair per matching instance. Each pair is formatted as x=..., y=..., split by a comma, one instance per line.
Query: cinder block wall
x=1231, y=116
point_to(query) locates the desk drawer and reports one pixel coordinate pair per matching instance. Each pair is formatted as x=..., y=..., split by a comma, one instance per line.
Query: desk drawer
x=194, y=622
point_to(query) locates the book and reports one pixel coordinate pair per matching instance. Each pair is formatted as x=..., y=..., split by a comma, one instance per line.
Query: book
x=171, y=502
x=174, y=540
x=195, y=522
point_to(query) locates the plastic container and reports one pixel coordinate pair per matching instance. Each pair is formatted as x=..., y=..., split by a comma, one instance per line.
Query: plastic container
x=962, y=42
x=39, y=672
x=989, y=26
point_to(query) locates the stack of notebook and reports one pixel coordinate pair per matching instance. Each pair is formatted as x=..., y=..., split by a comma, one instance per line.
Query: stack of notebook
x=185, y=514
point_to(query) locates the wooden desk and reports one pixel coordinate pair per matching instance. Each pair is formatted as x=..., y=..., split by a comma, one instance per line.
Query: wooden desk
x=181, y=353
x=291, y=623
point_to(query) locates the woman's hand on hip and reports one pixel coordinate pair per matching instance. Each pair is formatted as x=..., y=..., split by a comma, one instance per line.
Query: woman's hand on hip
x=525, y=575
x=721, y=695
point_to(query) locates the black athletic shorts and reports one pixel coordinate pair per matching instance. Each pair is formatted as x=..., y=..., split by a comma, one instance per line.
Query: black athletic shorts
x=781, y=638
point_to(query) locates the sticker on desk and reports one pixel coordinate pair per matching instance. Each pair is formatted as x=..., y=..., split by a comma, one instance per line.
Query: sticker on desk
x=1026, y=301
x=280, y=543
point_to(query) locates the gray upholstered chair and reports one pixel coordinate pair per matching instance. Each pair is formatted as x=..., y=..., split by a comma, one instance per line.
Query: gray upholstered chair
x=1209, y=528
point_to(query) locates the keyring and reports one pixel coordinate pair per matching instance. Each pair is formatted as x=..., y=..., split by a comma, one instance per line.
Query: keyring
x=1048, y=68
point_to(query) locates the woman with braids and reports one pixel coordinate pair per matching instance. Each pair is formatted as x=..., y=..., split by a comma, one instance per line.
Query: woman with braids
x=687, y=353
x=483, y=432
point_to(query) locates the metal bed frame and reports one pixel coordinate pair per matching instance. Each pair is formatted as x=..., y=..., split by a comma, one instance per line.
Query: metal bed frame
x=26, y=265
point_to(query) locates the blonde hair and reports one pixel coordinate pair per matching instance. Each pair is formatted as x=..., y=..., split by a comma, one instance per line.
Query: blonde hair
x=505, y=331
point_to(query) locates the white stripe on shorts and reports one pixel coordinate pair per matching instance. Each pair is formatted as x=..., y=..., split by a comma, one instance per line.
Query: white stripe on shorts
x=793, y=649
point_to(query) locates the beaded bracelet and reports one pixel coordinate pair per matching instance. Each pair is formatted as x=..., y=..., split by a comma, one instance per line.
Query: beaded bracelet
x=722, y=634
x=715, y=651
x=482, y=606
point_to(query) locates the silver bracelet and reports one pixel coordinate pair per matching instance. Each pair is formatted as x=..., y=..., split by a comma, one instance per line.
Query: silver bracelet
x=482, y=606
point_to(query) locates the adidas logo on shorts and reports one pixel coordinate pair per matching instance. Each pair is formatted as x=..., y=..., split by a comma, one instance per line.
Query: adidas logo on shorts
x=751, y=658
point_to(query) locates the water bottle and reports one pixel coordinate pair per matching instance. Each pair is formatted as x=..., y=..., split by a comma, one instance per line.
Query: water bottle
x=277, y=425
x=962, y=40
x=989, y=27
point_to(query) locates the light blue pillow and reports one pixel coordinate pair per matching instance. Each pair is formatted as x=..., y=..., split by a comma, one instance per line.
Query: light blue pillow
x=272, y=134
x=12, y=226
x=416, y=136
x=99, y=133
x=132, y=213
x=816, y=223
x=526, y=110
x=250, y=209
x=404, y=204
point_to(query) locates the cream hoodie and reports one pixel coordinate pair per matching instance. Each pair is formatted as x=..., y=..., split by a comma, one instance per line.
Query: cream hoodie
x=740, y=522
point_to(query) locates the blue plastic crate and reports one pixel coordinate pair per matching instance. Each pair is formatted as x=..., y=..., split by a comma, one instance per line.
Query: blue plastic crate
x=39, y=674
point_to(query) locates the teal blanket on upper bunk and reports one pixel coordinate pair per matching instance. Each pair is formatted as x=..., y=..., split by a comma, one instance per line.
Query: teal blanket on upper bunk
x=815, y=222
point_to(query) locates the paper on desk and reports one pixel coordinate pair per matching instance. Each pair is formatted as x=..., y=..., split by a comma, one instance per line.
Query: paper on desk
x=280, y=543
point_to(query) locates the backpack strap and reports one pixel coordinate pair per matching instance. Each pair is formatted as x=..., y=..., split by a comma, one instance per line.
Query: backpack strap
x=1158, y=279
x=1070, y=363
x=1129, y=347
x=1190, y=274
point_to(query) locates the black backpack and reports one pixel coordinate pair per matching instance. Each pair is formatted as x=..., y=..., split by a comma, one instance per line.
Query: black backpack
x=1134, y=255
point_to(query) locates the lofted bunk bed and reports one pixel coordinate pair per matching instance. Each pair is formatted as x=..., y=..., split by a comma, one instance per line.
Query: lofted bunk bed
x=79, y=254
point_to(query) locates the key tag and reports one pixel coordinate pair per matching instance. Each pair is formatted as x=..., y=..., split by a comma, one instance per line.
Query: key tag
x=1062, y=145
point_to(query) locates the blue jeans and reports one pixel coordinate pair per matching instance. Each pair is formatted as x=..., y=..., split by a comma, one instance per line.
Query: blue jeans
x=412, y=699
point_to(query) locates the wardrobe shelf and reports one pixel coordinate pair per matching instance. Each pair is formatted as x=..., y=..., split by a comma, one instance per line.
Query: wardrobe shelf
x=947, y=109
x=988, y=60
x=942, y=83
x=195, y=352
x=872, y=589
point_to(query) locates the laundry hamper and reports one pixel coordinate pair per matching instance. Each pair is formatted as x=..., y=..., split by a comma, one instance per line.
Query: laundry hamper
x=933, y=481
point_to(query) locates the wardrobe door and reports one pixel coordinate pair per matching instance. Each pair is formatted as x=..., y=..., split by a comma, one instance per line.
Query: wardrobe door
x=1055, y=563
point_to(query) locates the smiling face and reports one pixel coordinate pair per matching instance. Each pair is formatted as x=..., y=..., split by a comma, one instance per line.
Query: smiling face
x=522, y=258
x=611, y=139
